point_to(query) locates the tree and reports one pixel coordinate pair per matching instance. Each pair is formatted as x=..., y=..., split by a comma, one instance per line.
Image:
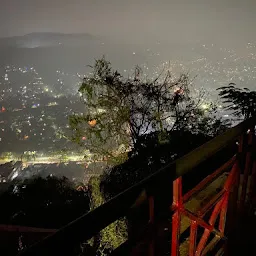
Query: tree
x=241, y=101
x=132, y=120
x=120, y=110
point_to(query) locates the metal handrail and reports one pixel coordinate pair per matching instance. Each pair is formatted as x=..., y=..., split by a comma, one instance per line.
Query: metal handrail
x=91, y=223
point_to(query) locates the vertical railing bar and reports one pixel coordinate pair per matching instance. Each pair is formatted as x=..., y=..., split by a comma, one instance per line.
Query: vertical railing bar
x=213, y=242
x=220, y=207
x=246, y=173
x=253, y=173
x=240, y=163
x=151, y=209
x=192, y=238
x=223, y=213
x=232, y=210
x=231, y=180
x=252, y=187
x=207, y=232
x=231, y=177
x=151, y=221
x=176, y=217
x=239, y=167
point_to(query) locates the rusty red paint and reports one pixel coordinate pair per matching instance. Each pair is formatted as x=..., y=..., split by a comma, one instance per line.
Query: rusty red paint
x=232, y=176
x=192, y=238
x=176, y=218
x=220, y=201
x=199, y=220
x=177, y=193
x=223, y=213
x=207, y=232
x=175, y=233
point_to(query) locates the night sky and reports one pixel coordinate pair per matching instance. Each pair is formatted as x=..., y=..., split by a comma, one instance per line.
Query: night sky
x=231, y=21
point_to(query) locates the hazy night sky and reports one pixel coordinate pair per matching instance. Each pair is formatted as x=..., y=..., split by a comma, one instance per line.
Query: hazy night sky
x=232, y=21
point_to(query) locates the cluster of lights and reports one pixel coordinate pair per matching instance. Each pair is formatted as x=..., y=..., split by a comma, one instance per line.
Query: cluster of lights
x=239, y=68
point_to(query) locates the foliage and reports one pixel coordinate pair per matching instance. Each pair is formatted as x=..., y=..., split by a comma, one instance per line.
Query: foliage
x=114, y=234
x=61, y=154
x=149, y=158
x=7, y=155
x=28, y=155
x=138, y=125
x=241, y=101
x=119, y=110
x=95, y=194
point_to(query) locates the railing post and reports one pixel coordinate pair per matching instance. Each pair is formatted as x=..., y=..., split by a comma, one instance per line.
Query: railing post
x=192, y=237
x=176, y=217
x=151, y=221
x=252, y=189
x=247, y=150
x=232, y=210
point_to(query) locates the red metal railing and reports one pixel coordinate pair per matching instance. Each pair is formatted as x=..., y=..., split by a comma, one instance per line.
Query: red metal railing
x=211, y=225
x=218, y=205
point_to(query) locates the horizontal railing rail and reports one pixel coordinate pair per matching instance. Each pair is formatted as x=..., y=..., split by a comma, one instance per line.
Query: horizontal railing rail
x=93, y=222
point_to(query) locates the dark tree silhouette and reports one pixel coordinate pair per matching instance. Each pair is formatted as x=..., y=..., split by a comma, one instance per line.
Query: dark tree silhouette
x=43, y=203
x=119, y=110
x=241, y=101
x=150, y=157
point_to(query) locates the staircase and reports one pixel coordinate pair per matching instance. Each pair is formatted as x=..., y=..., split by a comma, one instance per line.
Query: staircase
x=201, y=204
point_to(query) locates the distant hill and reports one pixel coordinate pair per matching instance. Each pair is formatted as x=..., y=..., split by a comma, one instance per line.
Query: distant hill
x=34, y=40
x=72, y=53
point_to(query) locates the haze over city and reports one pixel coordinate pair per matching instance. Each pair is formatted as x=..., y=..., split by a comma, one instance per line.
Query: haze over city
x=155, y=31
x=46, y=47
